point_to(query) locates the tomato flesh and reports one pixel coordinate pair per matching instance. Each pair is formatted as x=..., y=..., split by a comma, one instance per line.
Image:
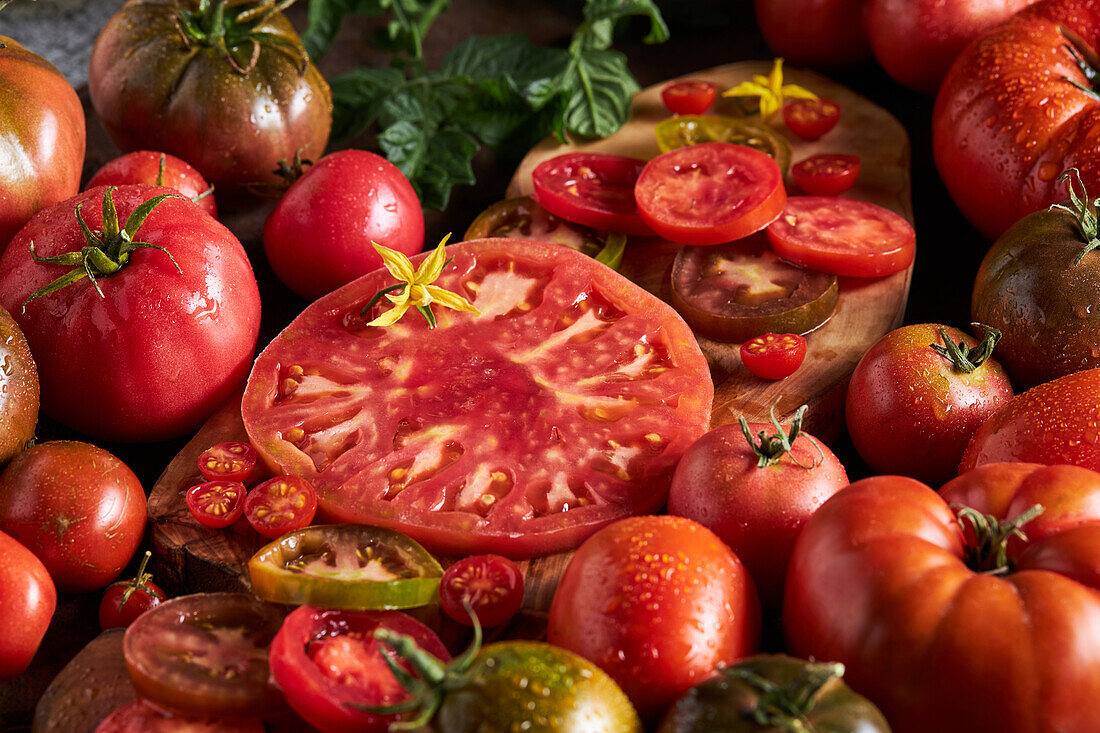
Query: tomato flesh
x=811, y=118
x=280, y=505
x=216, y=504
x=142, y=717
x=593, y=189
x=677, y=132
x=231, y=460
x=774, y=355
x=826, y=174
x=491, y=585
x=690, y=97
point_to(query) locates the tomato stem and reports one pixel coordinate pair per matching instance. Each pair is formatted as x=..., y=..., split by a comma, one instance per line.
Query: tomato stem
x=989, y=552
x=227, y=29
x=772, y=448
x=785, y=708
x=1083, y=213
x=139, y=581
x=964, y=359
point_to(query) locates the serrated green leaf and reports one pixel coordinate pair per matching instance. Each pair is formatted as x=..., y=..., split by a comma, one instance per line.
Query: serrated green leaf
x=357, y=97
x=433, y=160
x=510, y=60
x=602, y=89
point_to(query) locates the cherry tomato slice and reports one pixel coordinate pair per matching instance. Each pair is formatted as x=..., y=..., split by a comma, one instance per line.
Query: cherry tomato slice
x=280, y=505
x=710, y=193
x=593, y=189
x=677, y=132
x=205, y=655
x=734, y=292
x=142, y=717
x=124, y=601
x=216, y=504
x=826, y=174
x=843, y=236
x=774, y=355
x=228, y=461
x=689, y=97
x=350, y=566
x=811, y=118
x=491, y=585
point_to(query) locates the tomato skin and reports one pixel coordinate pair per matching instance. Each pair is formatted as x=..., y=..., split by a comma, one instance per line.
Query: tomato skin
x=26, y=605
x=114, y=613
x=826, y=174
x=43, y=122
x=77, y=507
x=774, y=355
x=492, y=585
x=827, y=32
x=143, y=166
x=811, y=118
x=592, y=189
x=127, y=366
x=910, y=412
x=319, y=235
x=216, y=504
x=689, y=97
x=142, y=716
x=640, y=569
x=19, y=389
x=230, y=460
x=280, y=505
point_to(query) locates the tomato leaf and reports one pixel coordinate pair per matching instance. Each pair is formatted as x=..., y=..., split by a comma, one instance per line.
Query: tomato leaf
x=326, y=17
x=433, y=159
x=357, y=96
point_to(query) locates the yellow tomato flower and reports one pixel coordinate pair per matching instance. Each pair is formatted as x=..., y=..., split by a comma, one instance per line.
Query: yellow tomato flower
x=417, y=291
x=770, y=89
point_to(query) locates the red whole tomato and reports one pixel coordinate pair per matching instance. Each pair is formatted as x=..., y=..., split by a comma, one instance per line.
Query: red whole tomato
x=228, y=89
x=954, y=631
x=491, y=585
x=1054, y=422
x=811, y=118
x=815, y=32
x=141, y=716
x=689, y=97
x=26, y=606
x=327, y=661
x=124, y=601
x=157, y=169
x=43, y=124
x=773, y=355
x=170, y=337
x=280, y=505
x=75, y=506
x=230, y=460
x=19, y=390
x=826, y=174
x=756, y=493
x=593, y=189
x=216, y=504
x=657, y=603
x=561, y=407
x=319, y=235
x=917, y=396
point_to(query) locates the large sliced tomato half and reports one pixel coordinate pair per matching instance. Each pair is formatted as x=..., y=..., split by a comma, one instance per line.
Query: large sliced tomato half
x=563, y=406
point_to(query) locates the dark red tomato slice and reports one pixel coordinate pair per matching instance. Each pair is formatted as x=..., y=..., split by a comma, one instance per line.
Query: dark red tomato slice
x=690, y=97
x=811, y=118
x=710, y=193
x=216, y=504
x=231, y=460
x=143, y=717
x=774, y=355
x=563, y=406
x=327, y=661
x=205, y=655
x=593, y=189
x=280, y=505
x=843, y=236
x=491, y=585
x=733, y=292
x=826, y=174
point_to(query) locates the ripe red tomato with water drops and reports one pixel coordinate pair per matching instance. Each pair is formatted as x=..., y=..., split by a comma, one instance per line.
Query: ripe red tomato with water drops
x=280, y=505
x=491, y=585
x=216, y=504
x=157, y=169
x=19, y=389
x=125, y=600
x=815, y=32
x=230, y=460
x=26, y=606
x=811, y=119
x=826, y=174
x=593, y=189
x=774, y=355
x=689, y=97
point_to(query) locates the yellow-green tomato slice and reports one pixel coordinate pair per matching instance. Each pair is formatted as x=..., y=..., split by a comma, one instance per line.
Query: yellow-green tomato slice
x=676, y=132
x=345, y=566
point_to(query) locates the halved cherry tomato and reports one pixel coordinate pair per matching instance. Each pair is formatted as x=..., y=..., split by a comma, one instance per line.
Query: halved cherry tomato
x=774, y=355
x=689, y=97
x=216, y=504
x=205, y=655
x=811, y=118
x=733, y=292
x=350, y=566
x=710, y=193
x=843, y=236
x=142, y=717
x=125, y=600
x=826, y=174
x=593, y=189
x=677, y=132
x=232, y=460
x=491, y=585
x=280, y=505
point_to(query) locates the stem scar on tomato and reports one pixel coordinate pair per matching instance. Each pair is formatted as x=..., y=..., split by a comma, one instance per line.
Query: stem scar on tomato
x=772, y=448
x=1082, y=212
x=226, y=29
x=965, y=359
x=988, y=553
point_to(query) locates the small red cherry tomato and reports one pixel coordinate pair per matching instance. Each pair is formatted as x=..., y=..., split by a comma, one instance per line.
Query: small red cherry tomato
x=125, y=600
x=774, y=355
x=826, y=174
x=280, y=505
x=690, y=97
x=811, y=118
x=217, y=504
x=228, y=461
x=491, y=585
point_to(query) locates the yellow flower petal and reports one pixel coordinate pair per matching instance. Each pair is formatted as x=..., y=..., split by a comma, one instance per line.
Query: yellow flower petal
x=390, y=317
x=401, y=296
x=431, y=267
x=397, y=263
x=745, y=89
x=775, y=79
x=454, y=301
x=793, y=90
x=420, y=295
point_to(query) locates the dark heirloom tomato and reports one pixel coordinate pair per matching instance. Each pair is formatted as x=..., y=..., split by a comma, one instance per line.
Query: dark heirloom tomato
x=157, y=169
x=43, y=125
x=677, y=132
x=142, y=717
x=158, y=82
x=27, y=604
x=18, y=389
x=560, y=408
x=592, y=189
x=954, y=631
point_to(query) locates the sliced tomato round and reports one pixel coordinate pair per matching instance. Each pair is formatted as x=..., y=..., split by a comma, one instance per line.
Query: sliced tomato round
x=593, y=189
x=350, y=566
x=689, y=97
x=710, y=193
x=280, y=505
x=826, y=174
x=216, y=504
x=843, y=236
x=562, y=406
x=811, y=118
x=733, y=292
x=774, y=355
x=231, y=460
x=491, y=586
x=678, y=132
x=205, y=655
x=142, y=717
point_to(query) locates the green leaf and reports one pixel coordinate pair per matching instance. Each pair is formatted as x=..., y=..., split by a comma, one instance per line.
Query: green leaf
x=433, y=160
x=602, y=89
x=511, y=61
x=600, y=15
x=326, y=17
x=357, y=97
x=412, y=18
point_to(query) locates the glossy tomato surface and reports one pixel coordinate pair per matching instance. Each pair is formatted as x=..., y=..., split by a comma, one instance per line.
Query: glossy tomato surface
x=491, y=586
x=319, y=235
x=592, y=189
x=157, y=169
x=19, y=389
x=657, y=603
x=563, y=406
x=75, y=506
x=230, y=460
x=811, y=118
x=216, y=504
x=125, y=600
x=142, y=717
x=43, y=124
x=681, y=130
x=163, y=347
x=883, y=580
x=280, y=505
x=26, y=605
x=826, y=32
x=689, y=97
x=155, y=87
x=826, y=174
x=773, y=355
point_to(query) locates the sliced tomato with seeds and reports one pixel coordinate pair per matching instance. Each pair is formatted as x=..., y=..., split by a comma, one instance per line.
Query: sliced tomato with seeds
x=216, y=504
x=826, y=174
x=811, y=118
x=142, y=717
x=564, y=405
x=677, y=132
x=280, y=505
x=774, y=355
x=593, y=189
x=491, y=586
x=232, y=460
x=689, y=97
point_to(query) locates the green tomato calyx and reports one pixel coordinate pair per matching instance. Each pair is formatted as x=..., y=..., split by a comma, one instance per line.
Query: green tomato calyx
x=988, y=553
x=785, y=707
x=234, y=31
x=139, y=583
x=1082, y=210
x=772, y=448
x=963, y=358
